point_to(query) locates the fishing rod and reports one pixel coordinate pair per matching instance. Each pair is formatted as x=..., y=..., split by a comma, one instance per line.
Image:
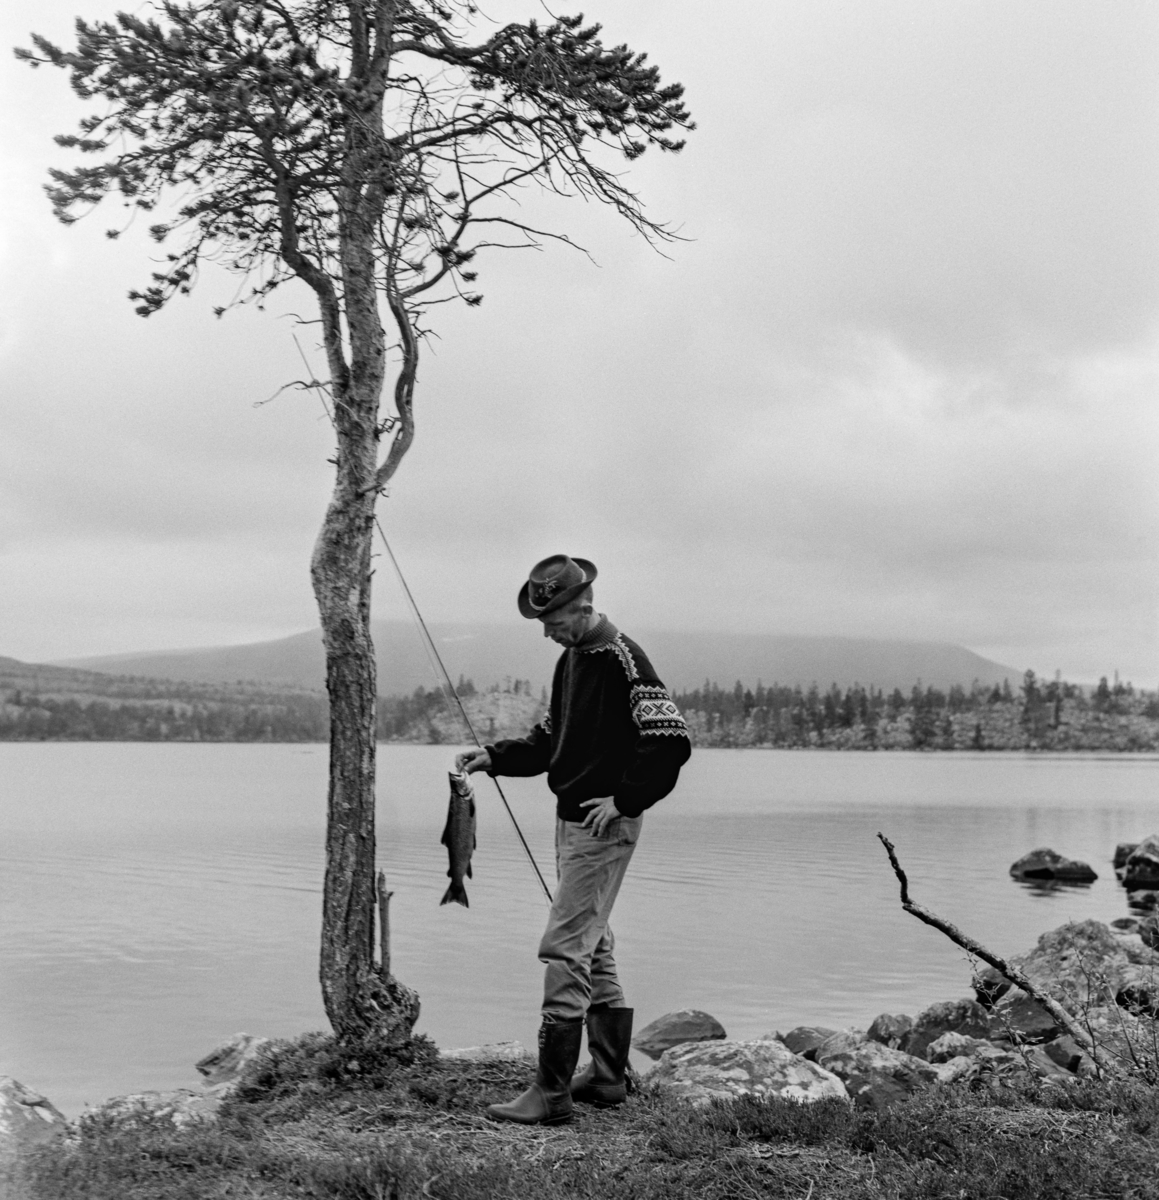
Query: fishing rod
x=432, y=651
x=436, y=657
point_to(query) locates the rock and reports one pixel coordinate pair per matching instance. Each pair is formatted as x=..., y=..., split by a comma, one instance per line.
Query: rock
x=675, y=1028
x=182, y=1106
x=842, y=1042
x=950, y=1016
x=1122, y=925
x=225, y=1064
x=1123, y=1034
x=704, y=1071
x=26, y=1117
x=953, y=1045
x=1043, y=1064
x=890, y=1030
x=954, y=1069
x=1077, y=964
x=1123, y=851
x=1141, y=868
x=874, y=1075
x=1024, y=1021
x=1045, y=863
x=1140, y=991
x=1149, y=932
x=1064, y=1051
x=490, y=1052
x=805, y=1039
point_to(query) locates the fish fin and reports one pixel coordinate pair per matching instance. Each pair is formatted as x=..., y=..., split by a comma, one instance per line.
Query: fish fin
x=457, y=893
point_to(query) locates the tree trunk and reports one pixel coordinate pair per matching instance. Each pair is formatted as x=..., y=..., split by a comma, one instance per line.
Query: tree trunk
x=359, y=998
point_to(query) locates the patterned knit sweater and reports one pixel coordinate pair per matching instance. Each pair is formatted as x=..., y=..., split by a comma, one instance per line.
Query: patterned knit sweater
x=612, y=730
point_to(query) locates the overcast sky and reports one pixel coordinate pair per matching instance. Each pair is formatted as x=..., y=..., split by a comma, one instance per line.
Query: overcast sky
x=899, y=382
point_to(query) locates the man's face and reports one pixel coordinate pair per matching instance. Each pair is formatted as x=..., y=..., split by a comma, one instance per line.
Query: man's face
x=568, y=624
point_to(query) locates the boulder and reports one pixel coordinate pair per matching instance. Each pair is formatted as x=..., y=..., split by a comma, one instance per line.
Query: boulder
x=952, y=1070
x=26, y=1117
x=491, y=1052
x=1065, y=1052
x=183, y=1106
x=953, y=1045
x=1123, y=851
x=890, y=1030
x=949, y=1016
x=1078, y=964
x=1043, y=1064
x=874, y=1075
x=1141, y=868
x=676, y=1028
x=224, y=1064
x=704, y=1071
x=1019, y=1019
x=1045, y=863
x=805, y=1039
x=1124, y=925
x=1140, y=991
x=841, y=1042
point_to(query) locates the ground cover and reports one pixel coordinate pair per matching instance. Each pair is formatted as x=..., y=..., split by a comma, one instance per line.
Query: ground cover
x=318, y=1120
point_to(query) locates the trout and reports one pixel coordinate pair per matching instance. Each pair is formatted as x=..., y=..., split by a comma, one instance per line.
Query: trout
x=459, y=836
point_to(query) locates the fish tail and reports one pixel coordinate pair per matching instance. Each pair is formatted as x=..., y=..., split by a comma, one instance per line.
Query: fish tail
x=456, y=892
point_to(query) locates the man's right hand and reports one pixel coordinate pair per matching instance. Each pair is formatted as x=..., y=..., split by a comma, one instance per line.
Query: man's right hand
x=472, y=761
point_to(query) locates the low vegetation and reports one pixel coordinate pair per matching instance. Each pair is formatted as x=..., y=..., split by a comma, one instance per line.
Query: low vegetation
x=319, y=1120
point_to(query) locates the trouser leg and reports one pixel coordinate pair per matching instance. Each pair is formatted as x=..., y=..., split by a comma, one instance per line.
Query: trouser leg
x=606, y=988
x=590, y=870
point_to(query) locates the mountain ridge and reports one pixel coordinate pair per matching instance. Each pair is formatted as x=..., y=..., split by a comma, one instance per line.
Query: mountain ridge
x=489, y=654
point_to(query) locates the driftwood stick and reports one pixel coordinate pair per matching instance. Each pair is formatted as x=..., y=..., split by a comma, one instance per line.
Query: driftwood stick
x=384, y=922
x=1052, y=1006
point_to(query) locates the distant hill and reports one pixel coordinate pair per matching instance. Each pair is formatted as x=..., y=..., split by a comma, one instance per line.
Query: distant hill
x=490, y=654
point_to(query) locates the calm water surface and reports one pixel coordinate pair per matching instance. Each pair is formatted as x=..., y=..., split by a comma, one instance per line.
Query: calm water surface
x=155, y=899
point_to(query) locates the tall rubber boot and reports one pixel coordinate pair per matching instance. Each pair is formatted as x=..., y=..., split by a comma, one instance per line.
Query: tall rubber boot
x=548, y=1100
x=603, y=1081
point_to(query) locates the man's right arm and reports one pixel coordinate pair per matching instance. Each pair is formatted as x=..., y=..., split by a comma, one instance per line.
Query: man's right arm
x=529, y=755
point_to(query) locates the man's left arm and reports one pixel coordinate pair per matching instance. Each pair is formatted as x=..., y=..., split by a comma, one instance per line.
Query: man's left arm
x=662, y=748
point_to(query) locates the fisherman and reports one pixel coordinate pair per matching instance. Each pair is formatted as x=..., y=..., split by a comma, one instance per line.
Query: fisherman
x=612, y=744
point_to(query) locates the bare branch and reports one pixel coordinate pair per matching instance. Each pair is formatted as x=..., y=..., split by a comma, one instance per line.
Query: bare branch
x=967, y=943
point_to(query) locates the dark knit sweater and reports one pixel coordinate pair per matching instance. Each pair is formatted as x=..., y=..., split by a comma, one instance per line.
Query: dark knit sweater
x=611, y=730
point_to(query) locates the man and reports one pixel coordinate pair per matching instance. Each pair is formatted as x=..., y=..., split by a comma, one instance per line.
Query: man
x=612, y=744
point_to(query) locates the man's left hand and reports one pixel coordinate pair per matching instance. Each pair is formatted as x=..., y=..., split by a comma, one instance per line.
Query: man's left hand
x=601, y=813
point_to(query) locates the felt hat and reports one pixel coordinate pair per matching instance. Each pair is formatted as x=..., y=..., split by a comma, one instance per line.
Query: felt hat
x=554, y=582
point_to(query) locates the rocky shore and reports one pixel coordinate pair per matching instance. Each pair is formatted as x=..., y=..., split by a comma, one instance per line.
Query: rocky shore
x=1106, y=976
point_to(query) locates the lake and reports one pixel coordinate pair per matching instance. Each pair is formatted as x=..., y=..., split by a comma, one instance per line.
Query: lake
x=156, y=898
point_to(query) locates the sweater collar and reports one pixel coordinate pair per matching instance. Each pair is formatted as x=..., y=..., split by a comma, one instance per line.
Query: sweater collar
x=600, y=637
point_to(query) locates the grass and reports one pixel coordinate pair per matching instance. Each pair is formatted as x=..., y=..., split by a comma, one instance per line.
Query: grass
x=319, y=1121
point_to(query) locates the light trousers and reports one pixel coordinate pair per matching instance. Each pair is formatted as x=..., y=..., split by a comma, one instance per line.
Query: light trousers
x=577, y=946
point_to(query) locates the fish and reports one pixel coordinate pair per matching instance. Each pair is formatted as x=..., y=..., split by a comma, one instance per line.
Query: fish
x=459, y=836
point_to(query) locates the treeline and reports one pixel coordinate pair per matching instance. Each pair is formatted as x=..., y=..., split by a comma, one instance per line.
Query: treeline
x=1040, y=715
x=292, y=717
x=245, y=713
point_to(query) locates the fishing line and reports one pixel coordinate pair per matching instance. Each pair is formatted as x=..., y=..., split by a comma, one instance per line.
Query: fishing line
x=432, y=651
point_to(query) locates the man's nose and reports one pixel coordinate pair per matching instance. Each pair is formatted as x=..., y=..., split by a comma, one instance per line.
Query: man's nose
x=546, y=631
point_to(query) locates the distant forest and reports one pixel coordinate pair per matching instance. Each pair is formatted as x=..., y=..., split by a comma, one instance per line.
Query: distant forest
x=1039, y=715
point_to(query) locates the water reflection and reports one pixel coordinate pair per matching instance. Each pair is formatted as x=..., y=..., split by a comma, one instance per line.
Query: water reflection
x=1053, y=887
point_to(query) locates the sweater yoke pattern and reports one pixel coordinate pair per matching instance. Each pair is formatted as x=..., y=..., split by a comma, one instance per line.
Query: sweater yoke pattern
x=653, y=710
